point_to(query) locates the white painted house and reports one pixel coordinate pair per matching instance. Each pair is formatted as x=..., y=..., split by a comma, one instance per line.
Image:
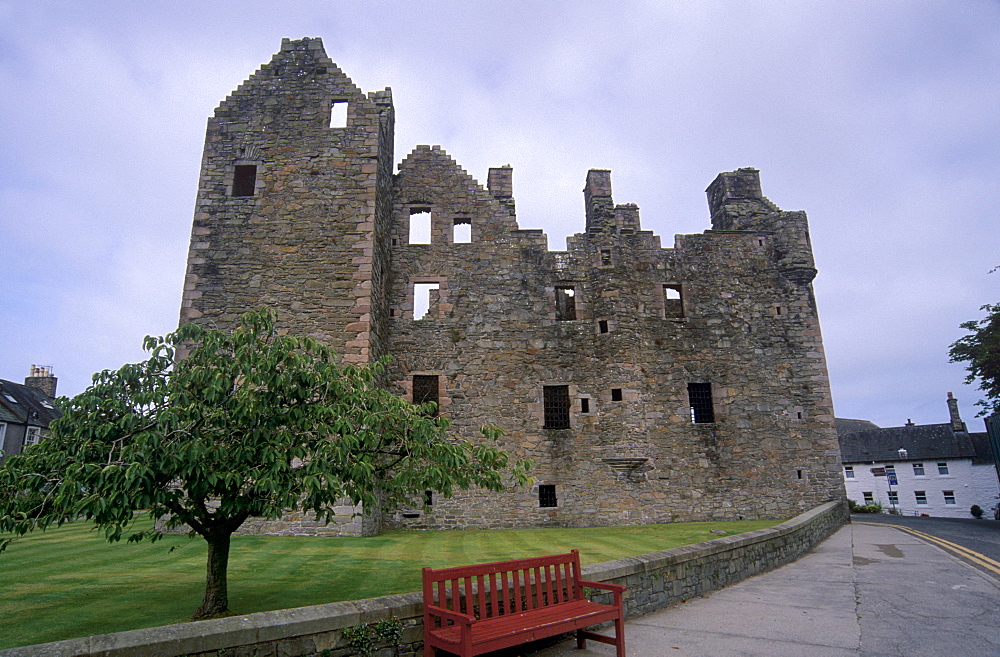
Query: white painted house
x=941, y=469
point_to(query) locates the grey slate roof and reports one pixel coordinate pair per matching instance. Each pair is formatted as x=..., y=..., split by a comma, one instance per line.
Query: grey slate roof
x=845, y=425
x=26, y=404
x=927, y=442
x=981, y=445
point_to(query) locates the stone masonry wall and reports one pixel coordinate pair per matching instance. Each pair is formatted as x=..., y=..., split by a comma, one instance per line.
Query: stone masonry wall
x=654, y=581
x=622, y=328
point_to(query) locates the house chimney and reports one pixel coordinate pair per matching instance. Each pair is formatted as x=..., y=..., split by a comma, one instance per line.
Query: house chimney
x=956, y=420
x=41, y=379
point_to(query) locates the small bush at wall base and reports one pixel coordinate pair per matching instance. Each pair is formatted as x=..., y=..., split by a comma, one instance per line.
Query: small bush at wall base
x=363, y=638
x=874, y=507
x=976, y=511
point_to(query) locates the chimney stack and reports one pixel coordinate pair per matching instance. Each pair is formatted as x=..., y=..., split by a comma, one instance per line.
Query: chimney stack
x=956, y=420
x=41, y=379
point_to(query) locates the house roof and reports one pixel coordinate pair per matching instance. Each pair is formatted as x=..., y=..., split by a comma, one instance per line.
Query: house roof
x=24, y=404
x=845, y=425
x=925, y=442
x=981, y=445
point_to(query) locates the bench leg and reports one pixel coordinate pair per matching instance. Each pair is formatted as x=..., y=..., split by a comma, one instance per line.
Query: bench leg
x=620, y=636
x=581, y=640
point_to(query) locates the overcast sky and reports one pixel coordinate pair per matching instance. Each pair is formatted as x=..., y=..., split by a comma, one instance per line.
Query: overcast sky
x=880, y=119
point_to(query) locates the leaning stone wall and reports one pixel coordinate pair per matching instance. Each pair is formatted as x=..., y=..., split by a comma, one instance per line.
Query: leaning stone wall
x=654, y=581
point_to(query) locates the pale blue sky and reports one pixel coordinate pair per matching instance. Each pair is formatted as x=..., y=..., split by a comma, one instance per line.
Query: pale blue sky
x=879, y=119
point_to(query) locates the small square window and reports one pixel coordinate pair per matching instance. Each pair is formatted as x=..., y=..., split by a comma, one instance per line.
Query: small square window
x=893, y=498
x=32, y=436
x=602, y=326
x=584, y=404
x=420, y=226
x=890, y=469
x=462, y=230
x=942, y=468
x=848, y=472
x=949, y=496
x=425, y=389
x=918, y=469
x=616, y=394
x=605, y=257
x=869, y=497
x=338, y=114
x=921, y=496
x=547, y=496
x=673, y=303
x=428, y=498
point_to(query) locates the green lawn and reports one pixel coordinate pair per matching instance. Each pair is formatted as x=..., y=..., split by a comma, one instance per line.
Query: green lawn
x=68, y=582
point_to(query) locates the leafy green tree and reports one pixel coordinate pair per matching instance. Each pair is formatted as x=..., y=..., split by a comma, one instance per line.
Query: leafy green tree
x=981, y=350
x=251, y=423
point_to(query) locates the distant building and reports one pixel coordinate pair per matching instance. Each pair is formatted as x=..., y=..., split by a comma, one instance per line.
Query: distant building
x=941, y=469
x=26, y=410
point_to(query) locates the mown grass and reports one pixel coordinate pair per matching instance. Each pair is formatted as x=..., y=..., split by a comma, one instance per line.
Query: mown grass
x=68, y=582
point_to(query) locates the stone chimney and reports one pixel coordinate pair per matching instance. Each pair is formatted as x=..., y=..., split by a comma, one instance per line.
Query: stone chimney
x=500, y=184
x=956, y=420
x=41, y=379
x=599, y=206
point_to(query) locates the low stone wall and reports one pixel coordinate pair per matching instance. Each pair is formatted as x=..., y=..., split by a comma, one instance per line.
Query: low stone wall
x=654, y=581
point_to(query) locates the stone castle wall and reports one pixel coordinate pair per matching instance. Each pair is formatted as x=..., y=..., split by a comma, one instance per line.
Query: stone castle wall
x=588, y=358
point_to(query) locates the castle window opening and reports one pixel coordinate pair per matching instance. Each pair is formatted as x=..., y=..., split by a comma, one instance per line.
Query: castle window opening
x=605, y=257
x=425, y=389
x=565, y=302
x=556, y=407
x=673, y=303
x=428, y=498
x=338, y=114
x=584, y=404
x=602, y=326
x=462, y=230
x=244, y=180
x=547, y=496
x=616, y=394
x=799, y=474
x=420, y=226
x=422, y=298
x=700, y=399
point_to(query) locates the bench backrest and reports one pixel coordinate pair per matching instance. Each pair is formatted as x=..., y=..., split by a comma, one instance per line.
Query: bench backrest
x=504, y=587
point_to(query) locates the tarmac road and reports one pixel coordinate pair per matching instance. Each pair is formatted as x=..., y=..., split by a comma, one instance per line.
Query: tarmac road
x=981, y=536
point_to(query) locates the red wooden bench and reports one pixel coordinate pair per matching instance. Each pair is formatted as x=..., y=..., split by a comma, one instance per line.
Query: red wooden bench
x=471, y=610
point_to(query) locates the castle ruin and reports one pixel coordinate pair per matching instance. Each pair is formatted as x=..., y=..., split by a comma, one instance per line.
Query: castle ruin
x=648, y=384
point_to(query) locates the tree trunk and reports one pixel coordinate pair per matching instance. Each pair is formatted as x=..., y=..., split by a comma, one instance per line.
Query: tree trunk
x=216, y=599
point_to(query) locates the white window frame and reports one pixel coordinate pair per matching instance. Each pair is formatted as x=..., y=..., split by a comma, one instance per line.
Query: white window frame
x=920, y=467
x=868, y=496
x=3, y=433
x=949, y=497
x=943, y=468
x=32, y=436
x=848, y=472
x=921, y=497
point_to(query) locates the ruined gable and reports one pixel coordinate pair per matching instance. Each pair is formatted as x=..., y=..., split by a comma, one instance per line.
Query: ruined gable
x=648, y=383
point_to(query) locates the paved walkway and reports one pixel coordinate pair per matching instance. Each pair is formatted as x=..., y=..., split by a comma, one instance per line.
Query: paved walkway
x=869, y=591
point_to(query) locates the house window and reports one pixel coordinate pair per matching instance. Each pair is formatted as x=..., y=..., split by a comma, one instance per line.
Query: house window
x=949, y=496
x=890, y=469
x=462, y=230
x=3, y=433
x=918, y=469
x=616, y=394
x=921, y=496
x=420, y=226
x=673, y=304
x=244, y=180
x=425, y=389
x=565, y=302
x=869, y=497
x=848, y=472
x=894, y=498
x=942, y=468
x=32, y=436
x=556, y=403
x=547, y=496
x=700, y=399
